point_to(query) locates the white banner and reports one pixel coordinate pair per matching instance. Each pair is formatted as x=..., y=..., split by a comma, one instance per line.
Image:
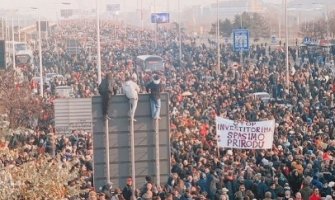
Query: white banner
x=245, y=135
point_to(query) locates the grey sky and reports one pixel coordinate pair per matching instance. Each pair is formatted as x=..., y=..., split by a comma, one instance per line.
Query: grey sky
x=51, y=8
x=126, y=5
x=48, y=7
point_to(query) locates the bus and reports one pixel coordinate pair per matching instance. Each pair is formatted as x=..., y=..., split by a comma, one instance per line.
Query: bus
x=23, y=54
x=149, y=63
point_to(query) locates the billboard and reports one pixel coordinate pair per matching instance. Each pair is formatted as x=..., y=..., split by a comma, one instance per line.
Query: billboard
x=73, y=114
x=120, y=137
x=66, y=13
x=160, y=18
x=241, y=39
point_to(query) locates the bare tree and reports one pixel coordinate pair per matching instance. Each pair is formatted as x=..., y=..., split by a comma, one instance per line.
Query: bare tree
x=319, y=27
x=17, y=99
x=256, y=23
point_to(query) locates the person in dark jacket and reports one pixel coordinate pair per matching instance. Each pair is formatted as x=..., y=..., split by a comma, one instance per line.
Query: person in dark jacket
x=155, y=88
x=272, y=190
x=127, y=190
x=295, y=180
x=260, y=188
x=106, y=88
x=212, y=180
x=202, y=183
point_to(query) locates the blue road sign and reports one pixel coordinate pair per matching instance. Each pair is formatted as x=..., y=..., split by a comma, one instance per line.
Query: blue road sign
x=160, y=18
x=241, y=39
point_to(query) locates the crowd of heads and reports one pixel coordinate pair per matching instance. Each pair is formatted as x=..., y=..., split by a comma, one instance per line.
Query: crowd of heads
x=299, y=165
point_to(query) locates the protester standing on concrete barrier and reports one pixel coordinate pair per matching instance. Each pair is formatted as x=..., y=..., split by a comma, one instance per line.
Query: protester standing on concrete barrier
x=155, y=88
x=106, y=88
x=131, y=90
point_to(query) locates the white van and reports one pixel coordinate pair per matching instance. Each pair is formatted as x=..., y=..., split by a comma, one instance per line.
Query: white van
x=48, y=77
x=64, y=92
x=263, y=96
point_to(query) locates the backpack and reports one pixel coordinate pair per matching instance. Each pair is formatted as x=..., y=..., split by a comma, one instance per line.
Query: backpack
x=103, y=87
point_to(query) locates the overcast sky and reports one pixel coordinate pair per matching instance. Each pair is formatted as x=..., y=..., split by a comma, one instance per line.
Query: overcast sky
x=125, y=4
x=52, y=8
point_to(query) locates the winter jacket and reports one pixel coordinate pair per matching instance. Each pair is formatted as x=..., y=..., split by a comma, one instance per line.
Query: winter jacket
x=155, y=89
x=295, y=181
x=131, y=89
x=127, y=192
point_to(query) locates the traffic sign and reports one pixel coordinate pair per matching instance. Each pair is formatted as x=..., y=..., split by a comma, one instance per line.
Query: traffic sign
x=160, y=18
x=241, y=39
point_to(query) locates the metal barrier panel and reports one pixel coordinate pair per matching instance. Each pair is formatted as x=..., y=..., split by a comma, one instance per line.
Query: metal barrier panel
x=73, y=114
x=119, y=141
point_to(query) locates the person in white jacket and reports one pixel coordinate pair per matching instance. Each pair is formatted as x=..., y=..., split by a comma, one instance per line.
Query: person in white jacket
x=131, y=90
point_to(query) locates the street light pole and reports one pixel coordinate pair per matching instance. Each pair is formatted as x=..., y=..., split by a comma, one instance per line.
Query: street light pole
x=142, y=19
x=179, y=32
x=156, y=25
x=7, y=37
x=218, y=36
x=13, y=45
x=18, y=28
x=99, y=81
x=241, y=50
x=327, y=22
x=286, y=50
x=98, y=42
x=280, y=21
x=40, y=51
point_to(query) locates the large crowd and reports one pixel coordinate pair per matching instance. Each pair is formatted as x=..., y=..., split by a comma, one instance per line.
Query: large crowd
x=299, y=166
